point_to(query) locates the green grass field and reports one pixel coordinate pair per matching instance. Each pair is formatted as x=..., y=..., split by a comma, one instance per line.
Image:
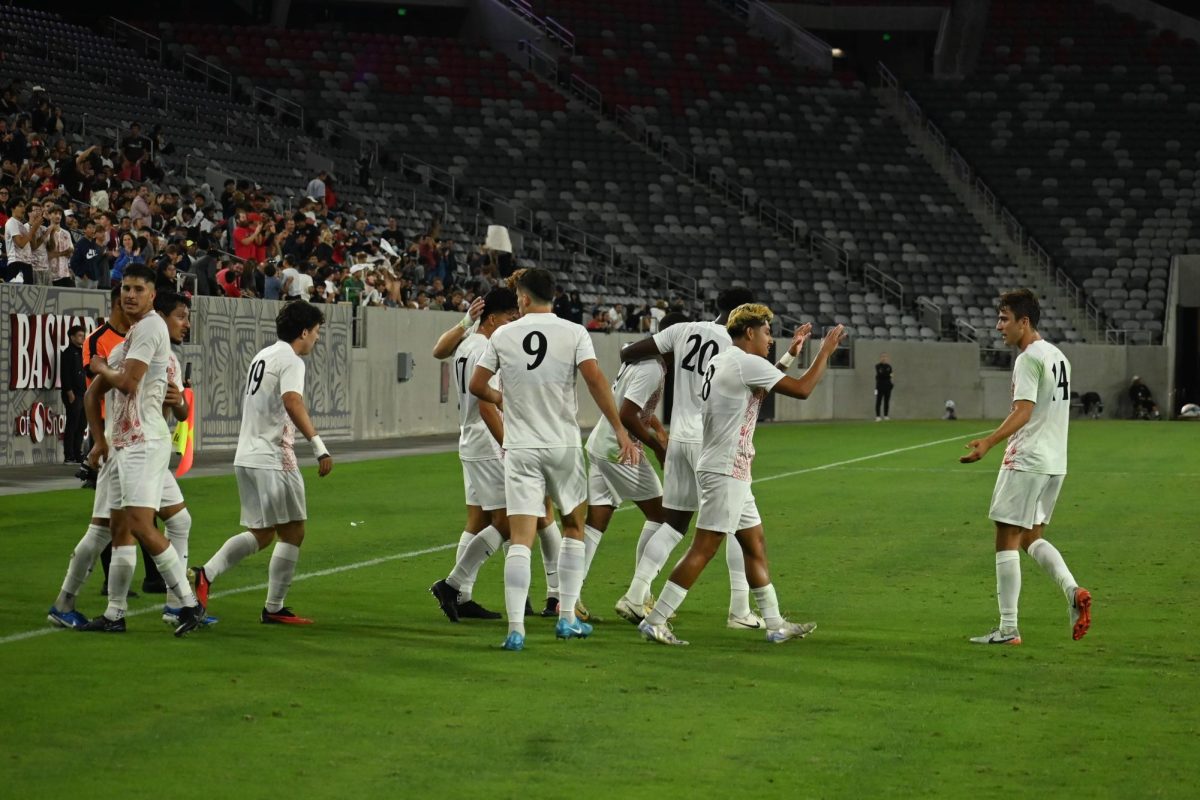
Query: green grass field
x=891, y=554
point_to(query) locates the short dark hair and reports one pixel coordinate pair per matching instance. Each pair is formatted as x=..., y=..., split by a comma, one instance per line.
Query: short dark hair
x=269, y=271
x=674, y=318
x=1021, y=303
x=140, y=271
x=295, y=318
x=114, y=294
x=538, y=282
x=166, y=302
x=733, y=297
x=498, y=301
x=74, y=329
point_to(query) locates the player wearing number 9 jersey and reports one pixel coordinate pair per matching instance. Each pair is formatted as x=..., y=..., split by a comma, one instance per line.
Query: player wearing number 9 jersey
x=1033, y=467
x=268, y=476
x=537, y=358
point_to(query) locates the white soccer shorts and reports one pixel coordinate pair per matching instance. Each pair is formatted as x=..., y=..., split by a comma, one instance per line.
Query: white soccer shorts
x=531, y=475
x=108, y=491
x=1024, y=499
x=483, y=482
x=270, y=497
x=680, y=490
x=726, y=504
x=138, y=471
x=610, y=483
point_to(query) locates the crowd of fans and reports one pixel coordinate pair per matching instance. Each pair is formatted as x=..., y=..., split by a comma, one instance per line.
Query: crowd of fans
x=80, y=217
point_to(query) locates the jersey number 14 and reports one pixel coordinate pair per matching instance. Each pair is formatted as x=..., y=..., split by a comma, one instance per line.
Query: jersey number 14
x=1059, y=371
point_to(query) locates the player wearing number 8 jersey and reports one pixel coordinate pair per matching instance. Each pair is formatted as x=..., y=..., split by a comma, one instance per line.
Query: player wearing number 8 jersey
x=1033, y=467
x=537, y=358
x=268, y=476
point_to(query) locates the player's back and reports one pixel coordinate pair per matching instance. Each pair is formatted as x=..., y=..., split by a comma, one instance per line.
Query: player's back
x=267, y=434
x=475, y=441
x=537, y=357
x=1041, y=373
x=693, y=345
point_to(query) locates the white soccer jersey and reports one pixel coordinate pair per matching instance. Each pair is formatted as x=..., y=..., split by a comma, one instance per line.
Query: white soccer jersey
x=475, y=441
x=1041, y=374
x=267, y=433
x=536, y=358
x=694, y=344
x=642, y=384
x=138, y=417
x=116, y=358
x=732, y=390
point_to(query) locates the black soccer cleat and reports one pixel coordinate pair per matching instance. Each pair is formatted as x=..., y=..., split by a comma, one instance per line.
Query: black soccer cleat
x=103, y=624
x=447, y=597
x=551, y=609
x=472, y=610
x=190, y=618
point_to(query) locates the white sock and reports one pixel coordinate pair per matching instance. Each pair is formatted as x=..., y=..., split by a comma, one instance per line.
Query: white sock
x=464, y=539
x=768, y=605
x=234, y=550
x=591, y=541
x=120, y=575
x=179, y=528
x=654, y=556
x=464, y=591
x=280, y=573
x=94, y=540
x=570, y=575
x=174, y=574
x=477, y=551
x=669, y=601
x=739, y=587
x=550, y=540
x=1052, y=561
x=516, y=586
x=1008, y=586
x=648, y=529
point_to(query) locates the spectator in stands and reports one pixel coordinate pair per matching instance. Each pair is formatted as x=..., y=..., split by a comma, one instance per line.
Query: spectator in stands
x=135, y=149
x=272, y=286
x=167, y=270
x=139, y=211
x=128, y=253
x=600, y=322
x=229, y=279
x=88, y=260
x=75, y=174
x=1142, y=398
x=316, y=187
x=12, y=143
x=247, y=235
x=19, y=238
x=299, y=284
x=59, y=249
x=575, y=309
x=73, y=385
x=8, y=100
x=562, y=303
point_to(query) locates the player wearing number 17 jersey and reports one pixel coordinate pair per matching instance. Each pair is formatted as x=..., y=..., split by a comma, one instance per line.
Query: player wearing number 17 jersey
x=537, y=358
x=268, y=476
x=1033, y=467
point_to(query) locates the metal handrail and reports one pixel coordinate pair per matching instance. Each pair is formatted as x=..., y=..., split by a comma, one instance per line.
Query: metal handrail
x=210, y=72
x=150, y=42
x=282, y=106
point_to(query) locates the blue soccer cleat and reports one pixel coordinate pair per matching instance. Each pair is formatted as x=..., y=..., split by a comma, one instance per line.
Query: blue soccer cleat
x=170, y=616
x=515, y=641
x=66, y=619
x=565, y=630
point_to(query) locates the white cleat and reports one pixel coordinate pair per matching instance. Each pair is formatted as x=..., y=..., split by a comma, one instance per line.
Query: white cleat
x=630, y=611
x=791, y=630
x=749, y=621
x=659, y=633
x=999, y=636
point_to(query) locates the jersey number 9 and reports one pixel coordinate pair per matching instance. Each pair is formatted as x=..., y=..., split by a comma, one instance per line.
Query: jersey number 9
x=535, y=345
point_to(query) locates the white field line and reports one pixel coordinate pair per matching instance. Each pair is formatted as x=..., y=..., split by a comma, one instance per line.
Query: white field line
x=32, y=634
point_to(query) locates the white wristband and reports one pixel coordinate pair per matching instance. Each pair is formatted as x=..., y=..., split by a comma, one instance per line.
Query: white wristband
x=787, y=359
x=467, y=322
x=319, y=449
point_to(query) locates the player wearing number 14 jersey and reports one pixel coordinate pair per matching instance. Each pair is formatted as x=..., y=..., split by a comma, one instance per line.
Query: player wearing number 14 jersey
x=1033, y=468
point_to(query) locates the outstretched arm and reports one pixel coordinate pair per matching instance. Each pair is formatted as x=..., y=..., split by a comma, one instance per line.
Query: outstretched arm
x=598, y=387
x=793, y=352
x=640, y=351
x=803, y=386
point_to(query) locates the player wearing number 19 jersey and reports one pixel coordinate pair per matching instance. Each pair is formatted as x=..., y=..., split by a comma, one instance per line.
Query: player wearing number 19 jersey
x=268, y=476
x=1033, y=467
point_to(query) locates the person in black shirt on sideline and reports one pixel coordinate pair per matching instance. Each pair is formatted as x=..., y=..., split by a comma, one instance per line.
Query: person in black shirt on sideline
x=883, y=387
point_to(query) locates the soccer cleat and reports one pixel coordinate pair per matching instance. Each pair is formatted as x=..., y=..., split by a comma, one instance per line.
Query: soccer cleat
x=201, y=584
x=66, y=619
x=529, y=612
x=447, y=597
x=749, y=621
x=581, y=611
x=551, y=609
x=659, y=633
x=171, y=617
x=999, y=636
x=472, y=610
x=565, y=630
x=791, y=630
x=1081, y=613
x=103, y=624
x=514, y=641
x=283, y=616
x=630, y=611
x=190, y=618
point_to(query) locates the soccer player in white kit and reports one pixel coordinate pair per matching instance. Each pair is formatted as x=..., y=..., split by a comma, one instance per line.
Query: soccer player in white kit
x=142, y=452
x=1033, y=468
x=269, y=482
x=481, y=429
x=733, y=388
x=173, y=512
x=537, y=358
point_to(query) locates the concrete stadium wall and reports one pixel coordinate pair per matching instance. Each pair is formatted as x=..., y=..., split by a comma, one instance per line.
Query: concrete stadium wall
x=353, y=392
